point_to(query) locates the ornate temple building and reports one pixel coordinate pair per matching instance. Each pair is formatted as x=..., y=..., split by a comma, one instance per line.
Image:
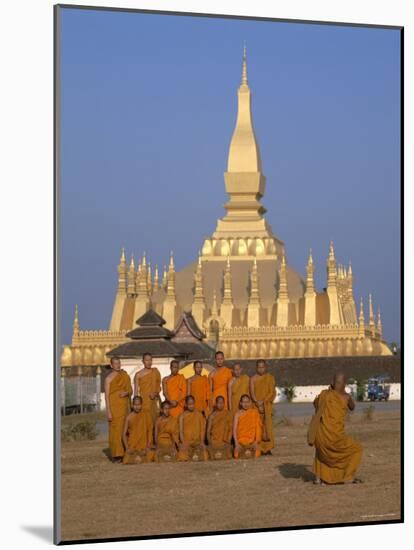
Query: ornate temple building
x=242, y=293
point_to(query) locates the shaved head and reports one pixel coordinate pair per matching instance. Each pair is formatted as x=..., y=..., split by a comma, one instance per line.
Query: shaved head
x=339, y=382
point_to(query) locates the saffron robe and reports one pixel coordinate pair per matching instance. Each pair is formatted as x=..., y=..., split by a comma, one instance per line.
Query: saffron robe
x=199, y=388
x=167, y=435
x=220, y=429
x=265, y=390
x=140, y=434
x=337, y=456
x=150, y=383
x=239, y=387
x=120, y=408
x=176, y=387
x=193, y=432
x=249, y=430
x=220, y=379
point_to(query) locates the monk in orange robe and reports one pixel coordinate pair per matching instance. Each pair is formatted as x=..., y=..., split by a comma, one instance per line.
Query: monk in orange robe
x=166, y=435
x=238, y=385
x=138, y=434
x=118, y=391
x=337, y=456
x=247, y=430
x=192, y=425
x=219, y=431
x=219, y=379
x=147, y=384
x=199, y=387
x=174, y=388
x=263, y=393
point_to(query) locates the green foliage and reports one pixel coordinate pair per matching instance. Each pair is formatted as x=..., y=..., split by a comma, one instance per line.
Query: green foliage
x=361, y=390
x=289, y=391
x=81, y=431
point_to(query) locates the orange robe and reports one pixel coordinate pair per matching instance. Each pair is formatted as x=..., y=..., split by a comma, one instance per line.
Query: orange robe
x=193, y=428
x=337, y=456
x=220, y=428
x=167, y=432
x=265, y=390
x=120, y=408
x=199, y=388
x=140, y=433
x=220, y=378
x=150, y=383
x=249, y=429
x=239, y=387
x=176, y=387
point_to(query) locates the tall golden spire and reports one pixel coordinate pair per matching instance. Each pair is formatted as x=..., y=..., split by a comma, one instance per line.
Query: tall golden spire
x=283, y=288
x=198, y=283
x=361, y=318
x=254, y=284
x=142, y=286
x=131, y=277
x=164, y=277
x=156, y=285
x=244, y=67
x=227, y=286
x=331, y=266
x=379, y=322
x=149, y=279
x=310, y=286
x=122, y=273
x=371, y=316
x=171, y=279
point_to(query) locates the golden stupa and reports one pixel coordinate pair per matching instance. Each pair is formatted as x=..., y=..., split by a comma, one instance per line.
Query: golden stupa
x=241, y=291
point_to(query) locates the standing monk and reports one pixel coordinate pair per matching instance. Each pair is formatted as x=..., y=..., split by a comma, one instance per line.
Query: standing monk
x=337, y=456
x=219, y=379
x=247, y=430
x=199, y=387
x=192, y=426
x=138, y=434
x=147, y=384
x=118, y=391
x=219, y=431
x=238, y=385
x=263, y=392
x=174, y=388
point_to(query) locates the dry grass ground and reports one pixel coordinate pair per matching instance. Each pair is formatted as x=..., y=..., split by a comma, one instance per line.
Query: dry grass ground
x=104, y=500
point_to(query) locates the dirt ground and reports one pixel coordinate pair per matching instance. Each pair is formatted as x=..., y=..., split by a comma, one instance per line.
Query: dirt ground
x=105, y=500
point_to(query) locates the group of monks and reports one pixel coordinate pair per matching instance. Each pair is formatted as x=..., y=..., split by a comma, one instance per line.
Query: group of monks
x=223, y=415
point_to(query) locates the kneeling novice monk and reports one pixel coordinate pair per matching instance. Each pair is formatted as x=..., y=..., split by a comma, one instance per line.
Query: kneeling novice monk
x=192, y=432
x=118, y=390
x=138, y=434
x=337, y=456
x=247, y=429
x=219, y=431
x=174, y=387
x=166, y=435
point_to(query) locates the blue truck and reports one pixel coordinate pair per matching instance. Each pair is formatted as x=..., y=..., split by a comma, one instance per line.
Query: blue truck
x=377, y=389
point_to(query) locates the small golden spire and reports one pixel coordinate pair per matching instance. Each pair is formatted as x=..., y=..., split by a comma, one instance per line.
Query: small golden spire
x=156, y=279
x=132, y=263
x=310, y=259
x=361, y=312
x=144, y=260
x=171, y=266
x=123, y=254
x=76, y=325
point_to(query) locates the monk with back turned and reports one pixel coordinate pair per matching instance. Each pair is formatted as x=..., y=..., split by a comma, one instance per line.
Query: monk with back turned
x=238, y=385
x=118, y=391
x=219, y=378
x=174, y=387
x=199, y=387
x=263, y=393
x=147, y=384
x=337, y=456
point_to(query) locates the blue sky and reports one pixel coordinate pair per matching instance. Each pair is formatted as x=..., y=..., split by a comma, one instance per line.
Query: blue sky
x=148, y=109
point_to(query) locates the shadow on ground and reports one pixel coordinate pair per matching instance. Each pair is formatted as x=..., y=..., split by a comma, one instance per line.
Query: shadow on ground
x=296, y=471
x=44, y=532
